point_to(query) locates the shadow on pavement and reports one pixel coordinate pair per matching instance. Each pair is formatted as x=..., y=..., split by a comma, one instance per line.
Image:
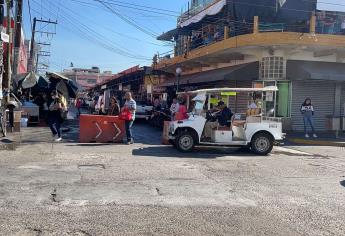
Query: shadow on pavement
x=200, y=152
x=91, y=144
x=323, y=139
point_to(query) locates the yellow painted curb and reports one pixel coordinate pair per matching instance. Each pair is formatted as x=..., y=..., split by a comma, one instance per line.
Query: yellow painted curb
x=316, y=142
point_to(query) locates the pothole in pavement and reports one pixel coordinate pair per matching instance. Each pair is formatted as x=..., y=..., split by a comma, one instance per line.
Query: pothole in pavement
x=91, y=167
x=8, y=145
x=342, y=183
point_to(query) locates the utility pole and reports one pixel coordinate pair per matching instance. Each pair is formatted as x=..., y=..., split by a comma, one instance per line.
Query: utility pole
x=7, y=83
x=18, y=34
x=33, y=66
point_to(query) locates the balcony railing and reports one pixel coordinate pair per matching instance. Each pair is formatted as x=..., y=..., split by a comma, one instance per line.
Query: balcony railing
x=225, y=31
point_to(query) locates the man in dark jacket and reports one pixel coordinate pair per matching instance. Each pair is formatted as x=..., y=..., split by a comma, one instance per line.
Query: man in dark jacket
x=225, y=114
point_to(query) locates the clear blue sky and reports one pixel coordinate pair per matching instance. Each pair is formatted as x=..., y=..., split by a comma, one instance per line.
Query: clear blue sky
x=82, y=19
x=331, y=5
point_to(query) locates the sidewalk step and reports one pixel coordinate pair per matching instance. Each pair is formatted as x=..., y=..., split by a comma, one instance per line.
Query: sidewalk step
x=317, y=142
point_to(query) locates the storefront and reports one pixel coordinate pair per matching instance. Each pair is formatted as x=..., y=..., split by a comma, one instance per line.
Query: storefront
x=324, y=83
x=238, y=76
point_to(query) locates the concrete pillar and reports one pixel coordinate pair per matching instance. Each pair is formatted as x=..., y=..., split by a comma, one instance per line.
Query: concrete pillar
x=337, y=99
x=256, y=25
x=226, y=32
x=312, y=29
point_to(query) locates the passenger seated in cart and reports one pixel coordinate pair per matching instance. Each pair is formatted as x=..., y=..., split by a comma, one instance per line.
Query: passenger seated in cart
x=221, y=116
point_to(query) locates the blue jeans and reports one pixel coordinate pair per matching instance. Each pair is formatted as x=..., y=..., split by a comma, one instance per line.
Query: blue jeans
x=54, y=125
x=128, y=125
x=308, y=120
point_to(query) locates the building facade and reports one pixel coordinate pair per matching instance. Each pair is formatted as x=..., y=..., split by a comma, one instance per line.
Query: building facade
x=87, y=78
x=143, y=82
x=241, y=44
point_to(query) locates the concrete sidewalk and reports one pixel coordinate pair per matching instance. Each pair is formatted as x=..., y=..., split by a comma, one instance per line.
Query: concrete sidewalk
x=324, y=139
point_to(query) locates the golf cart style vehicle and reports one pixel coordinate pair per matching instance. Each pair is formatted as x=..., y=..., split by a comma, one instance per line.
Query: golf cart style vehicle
x=251, y=130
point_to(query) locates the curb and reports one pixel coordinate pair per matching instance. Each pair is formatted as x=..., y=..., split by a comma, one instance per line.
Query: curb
x=316, y=142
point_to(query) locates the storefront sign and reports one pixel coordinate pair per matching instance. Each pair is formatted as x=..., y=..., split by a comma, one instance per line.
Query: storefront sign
x=269, y=97
x=228, y=94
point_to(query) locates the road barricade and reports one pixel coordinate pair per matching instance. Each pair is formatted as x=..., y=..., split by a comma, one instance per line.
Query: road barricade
x=101, y=129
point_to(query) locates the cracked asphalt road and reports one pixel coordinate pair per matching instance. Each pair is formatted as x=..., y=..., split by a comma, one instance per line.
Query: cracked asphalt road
x=147, y=189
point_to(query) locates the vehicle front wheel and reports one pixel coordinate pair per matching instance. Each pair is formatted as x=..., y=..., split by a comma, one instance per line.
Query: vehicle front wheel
x=185, y=142
x=262, y=144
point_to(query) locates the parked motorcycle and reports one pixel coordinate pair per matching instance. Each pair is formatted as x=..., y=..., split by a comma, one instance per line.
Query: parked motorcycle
x=159, y=116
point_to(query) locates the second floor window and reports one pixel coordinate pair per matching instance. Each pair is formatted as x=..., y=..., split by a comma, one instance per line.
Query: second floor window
x=272, y=68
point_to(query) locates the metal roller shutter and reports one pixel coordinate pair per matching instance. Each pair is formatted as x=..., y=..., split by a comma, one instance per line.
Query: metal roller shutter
x=242, y=98
x=238, y=104
x=322, y=95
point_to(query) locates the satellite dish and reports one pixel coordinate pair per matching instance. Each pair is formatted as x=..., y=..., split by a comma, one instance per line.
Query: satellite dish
x=30, y=80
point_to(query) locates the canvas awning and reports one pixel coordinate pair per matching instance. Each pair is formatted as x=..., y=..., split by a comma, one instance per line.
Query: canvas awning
x=210, y=11
x=170, y=35
x=302, y=70
x=238, y=72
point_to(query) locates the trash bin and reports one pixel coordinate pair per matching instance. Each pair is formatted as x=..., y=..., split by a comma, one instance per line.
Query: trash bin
x=333, y=123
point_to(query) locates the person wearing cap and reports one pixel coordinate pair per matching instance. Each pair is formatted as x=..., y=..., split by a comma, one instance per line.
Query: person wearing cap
x=225, y=114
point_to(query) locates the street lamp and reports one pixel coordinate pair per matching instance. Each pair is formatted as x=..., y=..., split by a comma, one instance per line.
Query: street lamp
x=178, y=75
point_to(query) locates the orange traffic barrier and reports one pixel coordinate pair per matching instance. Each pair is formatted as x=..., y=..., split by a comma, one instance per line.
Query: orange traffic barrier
x=165, y=137
x=101, y=129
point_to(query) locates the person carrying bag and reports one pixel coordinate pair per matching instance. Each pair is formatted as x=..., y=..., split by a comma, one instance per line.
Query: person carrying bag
x=128, y=115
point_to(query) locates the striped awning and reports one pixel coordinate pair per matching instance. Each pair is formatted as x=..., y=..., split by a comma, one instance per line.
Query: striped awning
x=210, y=11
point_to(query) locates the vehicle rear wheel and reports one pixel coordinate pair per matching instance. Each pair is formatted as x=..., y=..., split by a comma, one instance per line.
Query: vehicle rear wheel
x=262, y=144
x=185, y=141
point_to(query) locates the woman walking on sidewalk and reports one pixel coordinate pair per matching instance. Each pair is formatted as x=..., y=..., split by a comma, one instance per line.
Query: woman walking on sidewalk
x=307, y=110
x=130, y=106
x=55, y=115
